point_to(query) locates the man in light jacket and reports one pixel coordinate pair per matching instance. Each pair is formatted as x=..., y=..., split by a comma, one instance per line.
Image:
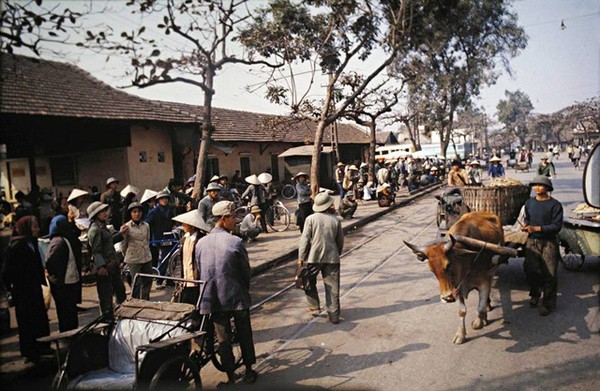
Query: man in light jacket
x=320, y=246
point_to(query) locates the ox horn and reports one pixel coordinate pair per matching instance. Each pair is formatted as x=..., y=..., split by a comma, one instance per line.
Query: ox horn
x=471, y=242
x=449, y=244
x=419, y=251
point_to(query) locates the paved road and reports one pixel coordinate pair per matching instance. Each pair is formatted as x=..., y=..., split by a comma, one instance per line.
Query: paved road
x=395, y=334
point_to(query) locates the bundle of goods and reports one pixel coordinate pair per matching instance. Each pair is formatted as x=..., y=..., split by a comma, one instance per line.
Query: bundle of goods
x=585, y=211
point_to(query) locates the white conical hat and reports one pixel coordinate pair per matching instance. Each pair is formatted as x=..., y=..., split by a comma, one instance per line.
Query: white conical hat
x=193, y=218
x=148, y=195
x=129, y=189
x=265, y=178
x=253, y=179
x=76, y=193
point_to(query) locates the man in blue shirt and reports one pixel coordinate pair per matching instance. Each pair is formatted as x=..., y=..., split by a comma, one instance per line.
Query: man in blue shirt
x=543, y=221
x=223, y=263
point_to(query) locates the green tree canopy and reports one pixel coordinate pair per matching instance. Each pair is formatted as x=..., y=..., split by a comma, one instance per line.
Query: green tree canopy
x=514, y=112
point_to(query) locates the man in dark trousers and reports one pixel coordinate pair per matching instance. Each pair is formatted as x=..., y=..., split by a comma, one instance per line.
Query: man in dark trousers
x=223, y=263
x=543, y=221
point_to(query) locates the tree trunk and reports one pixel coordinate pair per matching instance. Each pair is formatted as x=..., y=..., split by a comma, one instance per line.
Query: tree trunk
x=206, y=136
x=372, y=147
x=315, y=165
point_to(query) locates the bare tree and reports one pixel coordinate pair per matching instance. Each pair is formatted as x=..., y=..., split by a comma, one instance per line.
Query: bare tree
x=201, y=36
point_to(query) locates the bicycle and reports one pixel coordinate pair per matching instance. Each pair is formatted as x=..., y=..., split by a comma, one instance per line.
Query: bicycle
x=288, y=192
x=278, y=217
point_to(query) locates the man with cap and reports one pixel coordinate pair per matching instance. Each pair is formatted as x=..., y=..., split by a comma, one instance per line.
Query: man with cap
x=303, y=193
x=112, y=198
x=159, y=219
x=543, y=221
x=495, y=170
x=136, y=249
x=223, y=263
x=256, y=193
x=101, y=243
x=546, y=168
x=348, y=205
x=320, y=247
x=194, y=227
x=206, y=204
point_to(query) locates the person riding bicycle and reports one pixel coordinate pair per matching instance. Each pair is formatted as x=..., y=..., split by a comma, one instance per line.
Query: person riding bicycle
x=223, y=263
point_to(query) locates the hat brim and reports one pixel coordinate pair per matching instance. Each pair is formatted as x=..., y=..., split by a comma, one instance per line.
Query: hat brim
x=550, y=188
x=97, y=210
x=323, y=207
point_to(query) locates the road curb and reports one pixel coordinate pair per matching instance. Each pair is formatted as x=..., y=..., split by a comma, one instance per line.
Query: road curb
x=351, y=227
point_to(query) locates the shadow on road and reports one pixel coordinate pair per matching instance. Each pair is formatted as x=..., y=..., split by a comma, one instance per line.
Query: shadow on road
x=551, y=377
x=570, y=323
x=317, y=362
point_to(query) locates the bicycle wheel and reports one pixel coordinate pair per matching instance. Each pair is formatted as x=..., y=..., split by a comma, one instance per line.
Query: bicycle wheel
x=241, y=212
x=288, y=192
x=278, y=218
x=215, y=355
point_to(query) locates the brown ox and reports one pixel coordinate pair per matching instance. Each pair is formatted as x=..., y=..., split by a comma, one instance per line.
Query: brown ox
x=467, y=261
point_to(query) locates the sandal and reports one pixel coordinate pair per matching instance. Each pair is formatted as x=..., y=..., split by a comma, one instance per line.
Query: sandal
x=250, y=376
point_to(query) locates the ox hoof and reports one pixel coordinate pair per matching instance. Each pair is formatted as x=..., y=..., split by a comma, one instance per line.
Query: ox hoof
x=459, y=339
x=478, y=323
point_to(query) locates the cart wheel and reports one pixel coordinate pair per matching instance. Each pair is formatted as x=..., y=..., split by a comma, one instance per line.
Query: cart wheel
x=177, y=373
x=573, y=262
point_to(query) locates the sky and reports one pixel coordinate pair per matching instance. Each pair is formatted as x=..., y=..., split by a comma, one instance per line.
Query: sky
x=559, y=67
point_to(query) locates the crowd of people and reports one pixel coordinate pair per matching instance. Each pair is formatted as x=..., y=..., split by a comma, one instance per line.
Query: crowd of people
x=213, y=242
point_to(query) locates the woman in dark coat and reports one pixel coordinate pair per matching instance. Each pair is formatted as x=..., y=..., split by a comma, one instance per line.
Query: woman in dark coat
x=63, y=263
x=23, y=275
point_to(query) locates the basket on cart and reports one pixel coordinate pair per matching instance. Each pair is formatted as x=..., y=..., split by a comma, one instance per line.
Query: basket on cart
x=506, y=202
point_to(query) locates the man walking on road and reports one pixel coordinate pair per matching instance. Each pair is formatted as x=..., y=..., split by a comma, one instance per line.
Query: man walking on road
x=223, y=263
x=543, y=221
x=320, y=246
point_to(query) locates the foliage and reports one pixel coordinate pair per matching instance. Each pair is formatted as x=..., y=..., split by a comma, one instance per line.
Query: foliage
x=330, y=37
x=29, y=24
x=465, y=44
x=514, y=113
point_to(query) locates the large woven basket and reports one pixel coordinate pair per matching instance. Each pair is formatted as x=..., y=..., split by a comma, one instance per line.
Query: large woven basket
x=506, y=202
